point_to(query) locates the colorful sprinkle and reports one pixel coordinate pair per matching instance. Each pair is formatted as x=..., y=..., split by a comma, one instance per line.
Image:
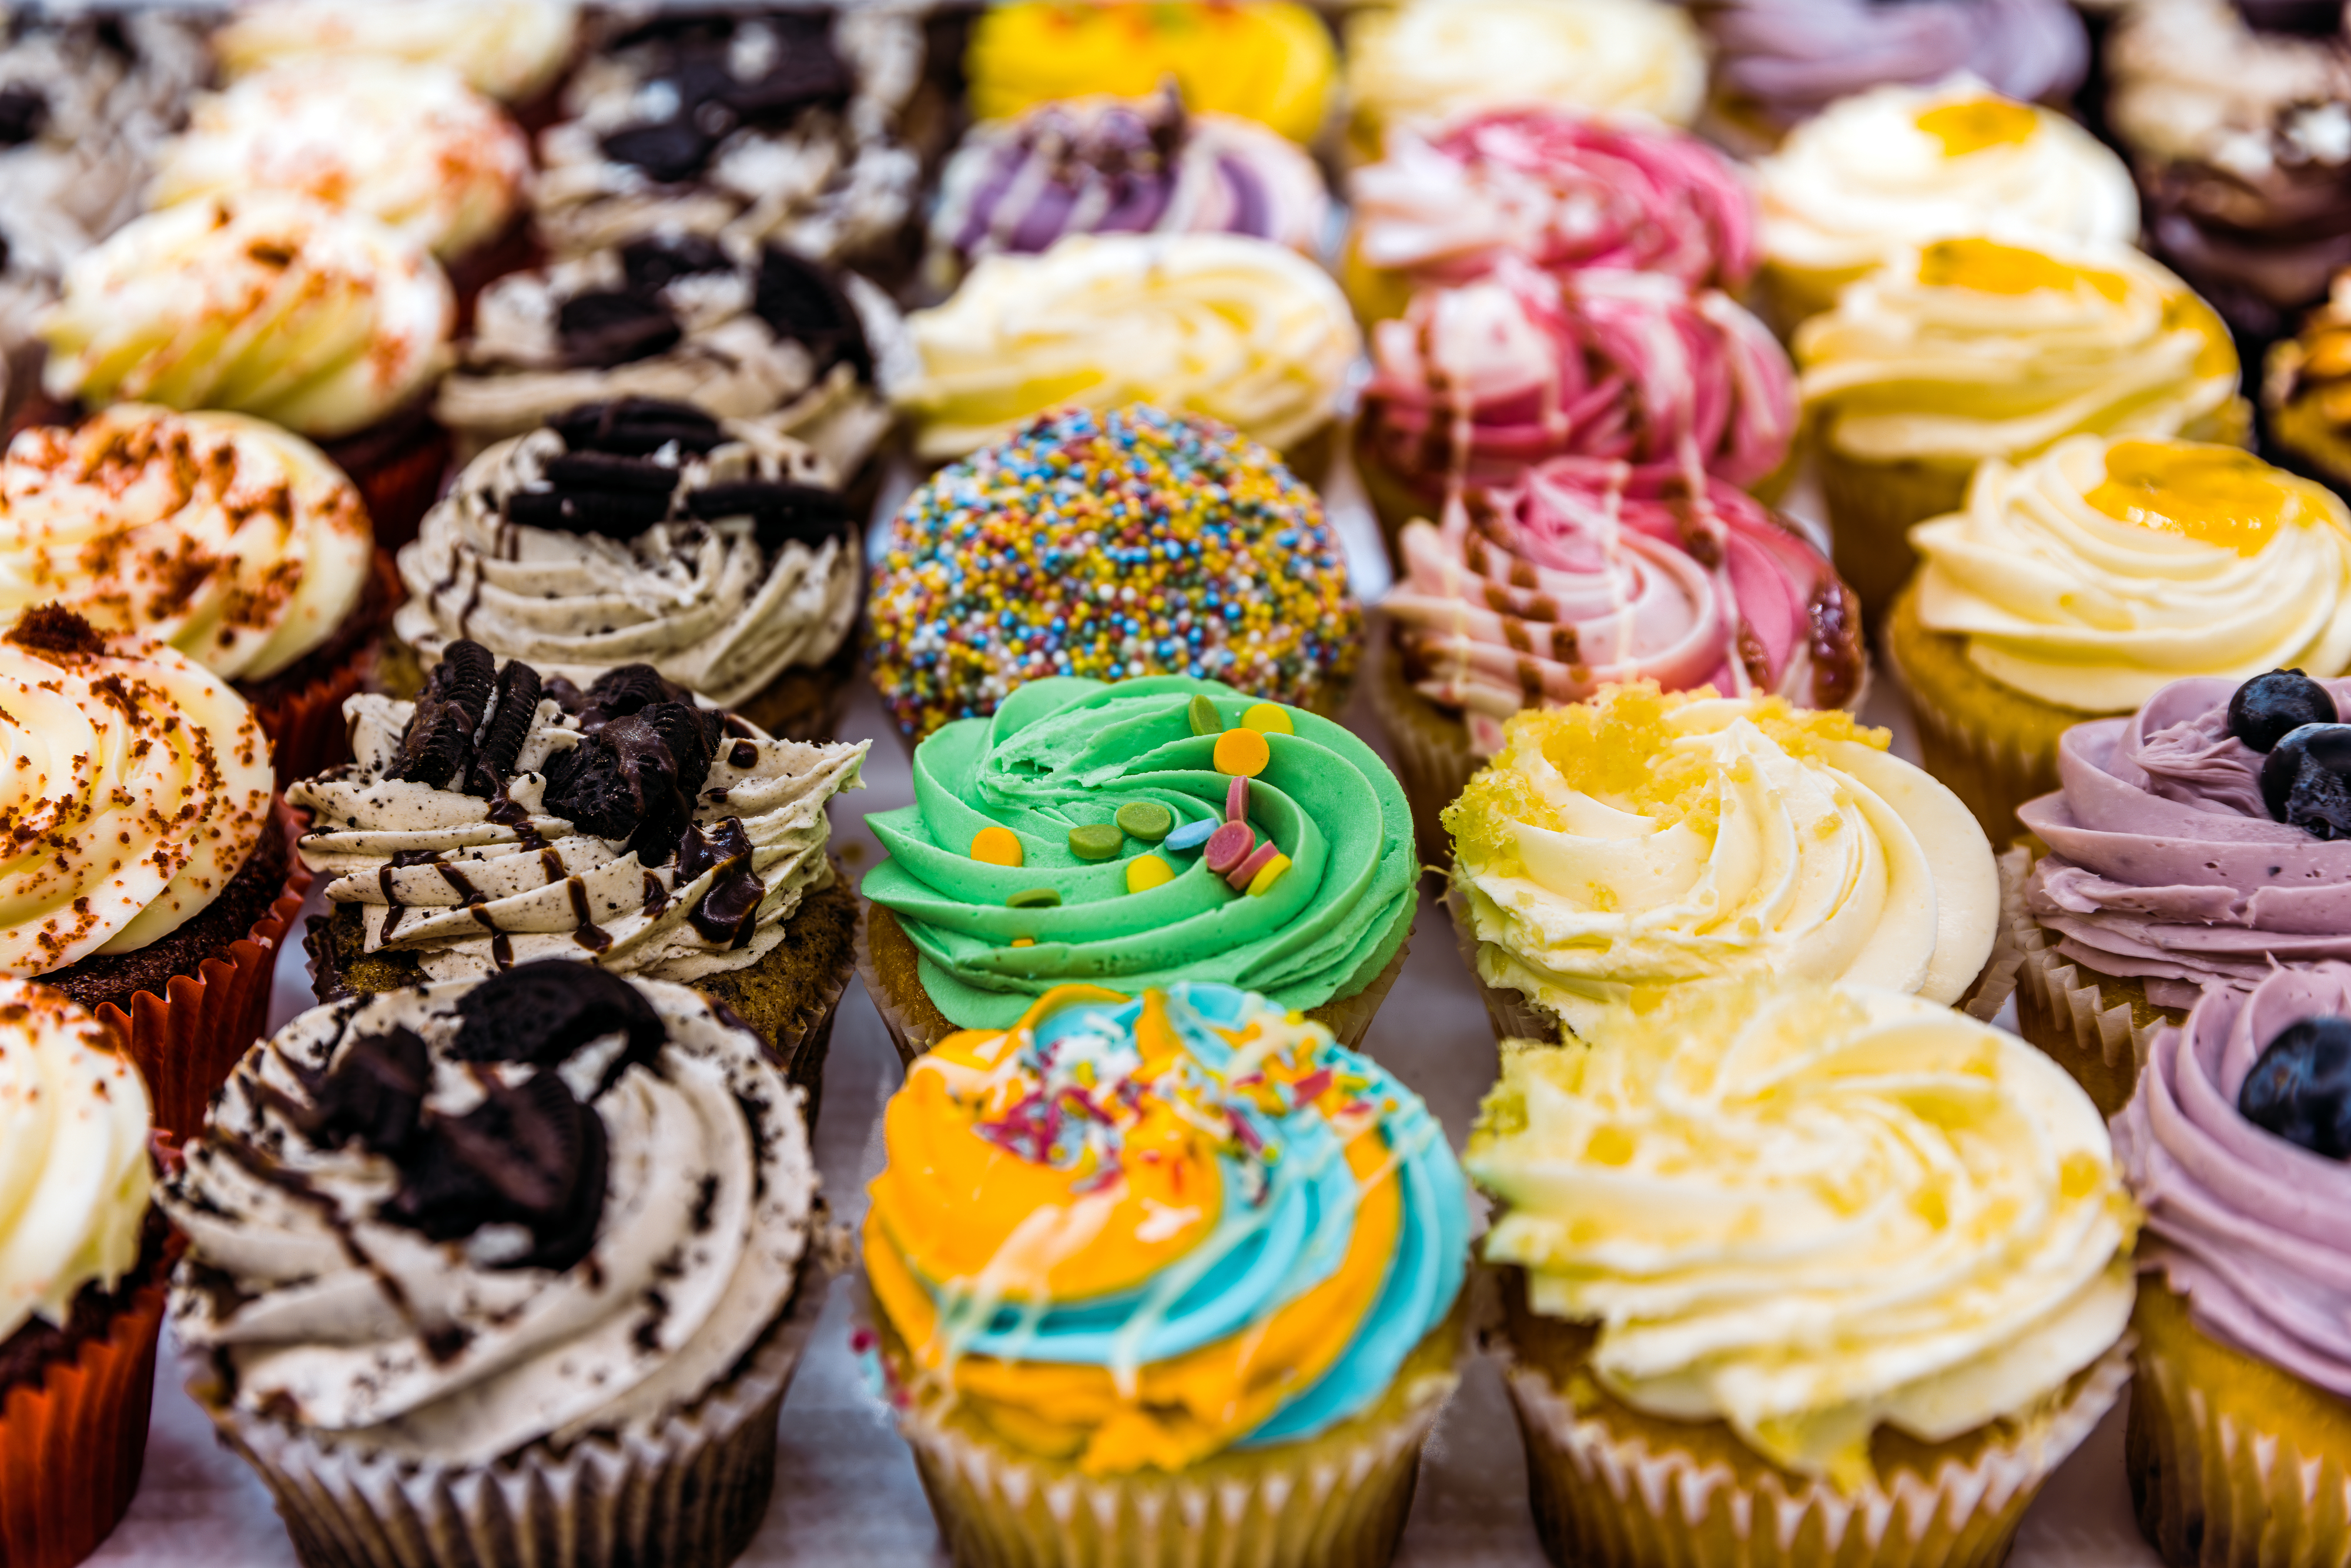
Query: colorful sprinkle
x=1132, y=543
x=1146, y=872
x=1192, y=835
x=1096, y=842
x=997, y=846
x=1267, y=875
x=1268, y=718
x=1264, y=855
x=1034, y=898
x=1242, y=752
x=1237, y=800
x=1024, y=941
x=1228, y=846
x=1145, y=819
x=1202, y=714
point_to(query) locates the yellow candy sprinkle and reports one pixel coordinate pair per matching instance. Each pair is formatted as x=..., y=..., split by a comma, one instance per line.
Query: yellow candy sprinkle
x=1024, y=941
x=1267, y=875
x=1268, y=718
x=1242, y=753
x=1146, y=872
x=997, y=845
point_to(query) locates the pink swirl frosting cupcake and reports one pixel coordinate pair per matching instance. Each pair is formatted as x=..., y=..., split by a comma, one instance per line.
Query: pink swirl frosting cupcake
x=1589, y=572
x=1563, y=190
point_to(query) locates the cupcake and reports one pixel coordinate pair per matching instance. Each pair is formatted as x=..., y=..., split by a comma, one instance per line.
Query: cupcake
x=505, y=1264
x=140, y=755
x=1271, y=61
x=740, y=329
x=1262, y=1302
x=504, y=818
x=235, y=542
x=1586, y=574
x=2305, y=405
x=511, y=49
x=1777, y=63
x=1423, y=63
x=82, y=1289
x=1101, y=164
x=2085, y=580
x=267, y=303
x=1242, y=331
x=1774, y=841
x=757, y=126
x=1477, y=384
x=1885, y=171
x=2239, y=1439
x=1972, y=349
x=1141, y=833
x=2241, y=138
x=1561, y=190
x=1138, y=542
x=636, y=532
x=1800, y=1273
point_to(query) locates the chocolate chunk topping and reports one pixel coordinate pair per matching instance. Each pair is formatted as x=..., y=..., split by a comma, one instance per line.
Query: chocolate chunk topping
x=623, y=690
x=652, y=263
x=692, y=735
x=613, y=327
x=637, y=427
x=24, y=110
x=727, y=912
x=802, y=301
x=510, y=725
x=547, y=1011
x=670, y=152
x=54, y=629
x=529, y=1154
x=780, y=512
x=625, y=782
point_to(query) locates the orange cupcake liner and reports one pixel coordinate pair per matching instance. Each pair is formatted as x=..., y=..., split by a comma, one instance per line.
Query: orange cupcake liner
x=305, y=729
x=398, y=478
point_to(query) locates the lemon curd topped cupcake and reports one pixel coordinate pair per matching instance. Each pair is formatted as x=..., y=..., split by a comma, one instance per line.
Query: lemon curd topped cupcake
x=1645, y=839
x=1148, y=1276
x=1800, y=1274
x=1887, y=171
x=2080, y=583
x=1973, y=348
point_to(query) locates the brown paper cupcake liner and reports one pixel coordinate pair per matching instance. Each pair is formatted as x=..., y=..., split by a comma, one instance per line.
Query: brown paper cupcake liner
x=72, y=1446
x=689, y=1493
x=887, y=961
x=304, y=718
x=1605, y=1498
x=2098, y=1028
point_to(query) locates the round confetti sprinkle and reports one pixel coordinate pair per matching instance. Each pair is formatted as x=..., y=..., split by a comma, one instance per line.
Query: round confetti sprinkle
x=1237, y=800
x=1145, y=819
x=1146, y=872
x=1192, y=835
x=1242, y=752
x=1132, y=543
x=1268, y=718
x=1264, y=855
x=1096, y=842
x=1035, y=898
x=997, y=846
x=1228, y=846
x=1024, y=941
x=1267, y=875
x=1206, y=719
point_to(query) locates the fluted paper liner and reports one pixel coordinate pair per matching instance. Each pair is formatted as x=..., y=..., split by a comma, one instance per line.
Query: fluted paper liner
x=1991, y=773
x=2097, y=1027
x=72, y=1446
x=1872, y=507
x=1434, y=759
x=690, y=1493
x=306, y=728
x=1605, y=1501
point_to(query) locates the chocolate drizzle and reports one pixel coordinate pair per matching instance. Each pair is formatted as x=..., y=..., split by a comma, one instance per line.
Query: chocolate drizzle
x=726, y=913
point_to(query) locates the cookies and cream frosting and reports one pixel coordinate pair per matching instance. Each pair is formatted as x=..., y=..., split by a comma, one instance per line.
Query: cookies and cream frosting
x=1645, y=838
x=510, y=49
x=74, y=1170
x=145, y=783
x=2094, y=574
x=451, y=1221
x=410, y=144
x=1973, y=348
x=500, y=817
x=1886, y=171
x=265, y=303
x=1138, y=1233
x=719, y=553
x=1808, y=1211
x=233, y=540
x=1243, y=330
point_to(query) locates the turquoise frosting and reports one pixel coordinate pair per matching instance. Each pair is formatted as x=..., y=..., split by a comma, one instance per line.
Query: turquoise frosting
x=1067, y=752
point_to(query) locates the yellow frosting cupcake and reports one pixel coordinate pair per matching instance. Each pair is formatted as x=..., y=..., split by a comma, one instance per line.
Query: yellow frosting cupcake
x=1269, y=60
x=2082, y=581
x=1973, y=348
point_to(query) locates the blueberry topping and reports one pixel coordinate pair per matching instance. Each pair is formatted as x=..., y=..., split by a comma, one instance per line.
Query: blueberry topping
x=2267, y=707
x=2300, y=1087
x=613, y=327
x=544, y=1013
x=2303, y=780
x=637, y=427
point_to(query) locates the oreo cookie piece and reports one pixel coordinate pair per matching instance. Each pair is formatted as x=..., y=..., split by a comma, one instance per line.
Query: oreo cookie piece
x=652, y=263
x=547, y=1012
x=517, y=704
x=625, y=688
x=24, y=110
x=637, y=427
x=668, y=152
x=803, y=302
x=374, y=1093
x=614, y=326
x=529, y=1154
x=438, y=744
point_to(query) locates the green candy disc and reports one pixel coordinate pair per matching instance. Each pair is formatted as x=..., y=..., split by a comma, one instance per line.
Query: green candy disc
x=1145, y=819
x=1097, y=840
x=1034, y=898
x=1204, y=717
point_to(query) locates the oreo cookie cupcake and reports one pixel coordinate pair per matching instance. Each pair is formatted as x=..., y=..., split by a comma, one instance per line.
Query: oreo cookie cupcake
x=740, y=329
x=503, y=818
x=636, y=532
x=235, y=542
x=82, y=1259
x=779, y=125
x=507, y=1263
x=164, y=886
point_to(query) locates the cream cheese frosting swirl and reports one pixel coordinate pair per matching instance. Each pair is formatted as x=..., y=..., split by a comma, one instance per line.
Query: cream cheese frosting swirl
x=511, y=49
x=412, y=145
x=621, y=825
x=731, y=559
x=1243, y=330
x=74, y=1172
x=364, y=1266
x=145, y=784
x=266, y=303
x=1973, y=348
x=236, y=543
x=2096, y=573
x=1808, y=1211
x=1644, y=839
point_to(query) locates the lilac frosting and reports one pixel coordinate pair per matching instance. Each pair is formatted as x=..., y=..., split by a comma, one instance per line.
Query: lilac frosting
x=2254, y=1230
x=1791, y=59
x=2166, y=866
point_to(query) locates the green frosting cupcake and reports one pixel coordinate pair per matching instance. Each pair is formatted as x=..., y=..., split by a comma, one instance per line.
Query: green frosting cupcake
x=1063, y=754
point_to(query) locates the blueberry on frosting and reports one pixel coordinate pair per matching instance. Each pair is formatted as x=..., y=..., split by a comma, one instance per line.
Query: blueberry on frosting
x=2300, y=1088
x=2303, y=780
x=2267, y=707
